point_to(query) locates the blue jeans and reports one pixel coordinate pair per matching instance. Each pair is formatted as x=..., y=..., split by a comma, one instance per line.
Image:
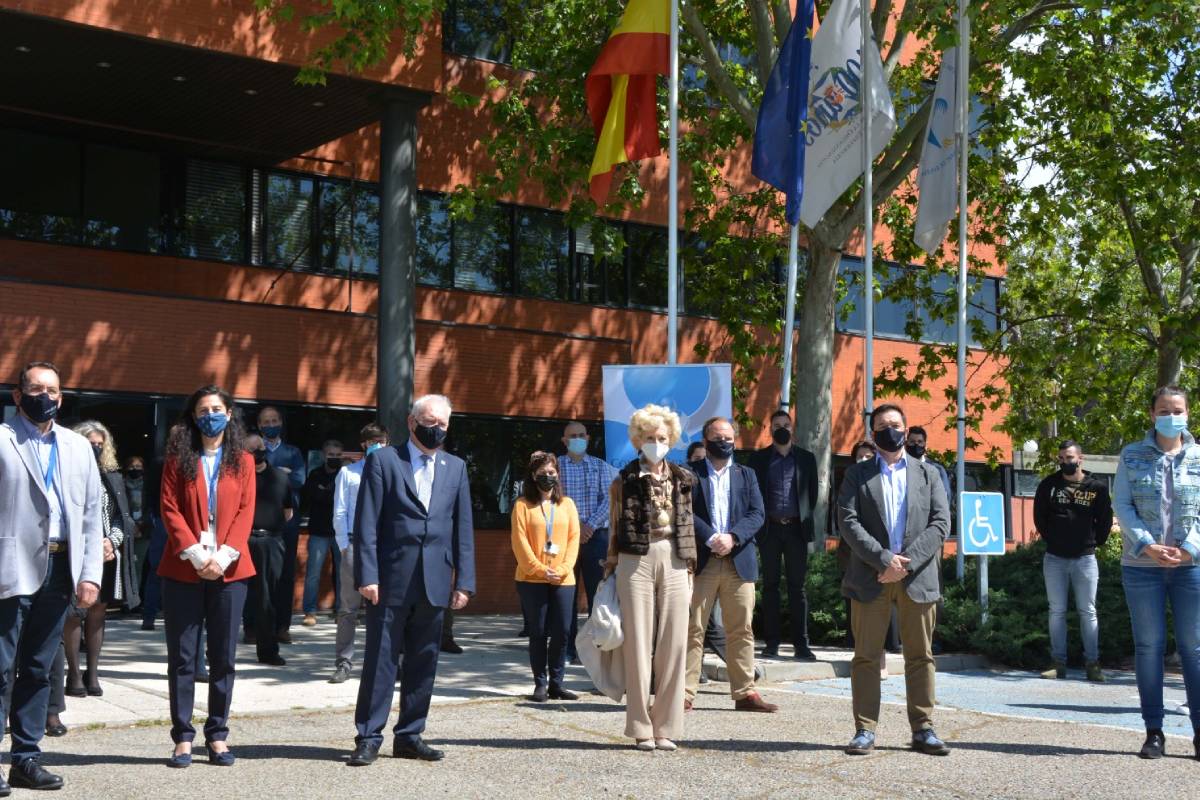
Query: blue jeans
x=319, y=547
x=1081, y=574
x=1147, y=590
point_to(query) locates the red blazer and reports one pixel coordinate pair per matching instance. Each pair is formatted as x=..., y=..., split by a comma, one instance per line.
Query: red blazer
x=185, y=513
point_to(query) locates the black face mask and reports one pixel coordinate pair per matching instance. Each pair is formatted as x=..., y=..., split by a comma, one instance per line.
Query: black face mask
x=430, y=436
x=915, y=450
x=718, y=449
x=781, y=436
x=332, y=464
x=1069, y=469
x=97, y=449
x=890, y=440
x=134, y=474
x=260, y=456
x=39, y=407
x=546, y=482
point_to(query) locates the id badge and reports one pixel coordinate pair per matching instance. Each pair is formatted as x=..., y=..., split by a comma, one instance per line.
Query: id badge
x=551, y=549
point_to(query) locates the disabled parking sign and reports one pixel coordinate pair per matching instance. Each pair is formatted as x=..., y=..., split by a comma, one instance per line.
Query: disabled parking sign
x=981, y=523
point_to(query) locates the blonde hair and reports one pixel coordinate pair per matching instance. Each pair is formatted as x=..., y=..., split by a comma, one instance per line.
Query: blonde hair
x=647, y=419
x=108, y=450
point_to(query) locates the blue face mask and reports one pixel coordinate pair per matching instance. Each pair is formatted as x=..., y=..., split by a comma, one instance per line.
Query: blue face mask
x=212, y=424
x=577, y=447
x=272, y=431
x=1171, y=425
x=371, y=448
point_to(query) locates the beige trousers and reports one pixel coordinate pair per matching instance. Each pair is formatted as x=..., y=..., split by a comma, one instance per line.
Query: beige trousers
x=653, y=591
x=869, y=622
x=719, y=580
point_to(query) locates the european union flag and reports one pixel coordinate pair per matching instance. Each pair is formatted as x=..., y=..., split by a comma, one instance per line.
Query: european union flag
x=783, y=115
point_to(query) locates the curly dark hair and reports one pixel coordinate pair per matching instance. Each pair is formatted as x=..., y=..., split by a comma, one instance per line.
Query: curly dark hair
x=183, y=442
x=531, y=491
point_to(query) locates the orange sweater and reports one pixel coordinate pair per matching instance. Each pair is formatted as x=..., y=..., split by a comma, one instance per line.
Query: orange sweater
x=529, y=540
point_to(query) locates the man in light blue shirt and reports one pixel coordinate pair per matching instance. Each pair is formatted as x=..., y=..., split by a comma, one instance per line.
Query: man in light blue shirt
x=372, y=437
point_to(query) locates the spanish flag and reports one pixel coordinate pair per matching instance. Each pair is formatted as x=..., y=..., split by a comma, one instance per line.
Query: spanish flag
x=621, y=90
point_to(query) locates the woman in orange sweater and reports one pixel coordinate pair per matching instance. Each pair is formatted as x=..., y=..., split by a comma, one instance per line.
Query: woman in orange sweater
x=545, y=540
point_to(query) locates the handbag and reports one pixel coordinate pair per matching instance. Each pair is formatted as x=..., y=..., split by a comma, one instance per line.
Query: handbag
x=599, y=642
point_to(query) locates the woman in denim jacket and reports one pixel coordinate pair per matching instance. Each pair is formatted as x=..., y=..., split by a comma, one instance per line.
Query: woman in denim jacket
x=1157, y=501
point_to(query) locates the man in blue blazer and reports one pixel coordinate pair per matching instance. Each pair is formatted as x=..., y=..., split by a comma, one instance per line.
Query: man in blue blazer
x=414, y=555
x=728, y=512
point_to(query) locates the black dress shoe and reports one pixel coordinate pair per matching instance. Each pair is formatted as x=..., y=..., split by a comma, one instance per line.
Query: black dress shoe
x=95, y=691
x=364, y=753
x=416, y=749
x=559, y=693
x=1155, y=745
x=283, y=636
x=29, y=774
x=450, y=646
x=275, y=660
x=5, y=789
x=56, y=728
x=805, y=654
x=539, y=694
x=75, y=691
x=770, y=652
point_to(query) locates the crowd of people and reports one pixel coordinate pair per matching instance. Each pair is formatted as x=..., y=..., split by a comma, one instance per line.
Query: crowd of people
x=682, y=545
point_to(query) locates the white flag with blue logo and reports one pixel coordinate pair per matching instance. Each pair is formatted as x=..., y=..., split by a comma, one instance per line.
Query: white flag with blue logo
x=834, y=126
x=936, y=196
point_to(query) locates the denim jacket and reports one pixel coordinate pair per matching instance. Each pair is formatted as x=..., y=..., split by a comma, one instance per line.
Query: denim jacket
x=1137, y=495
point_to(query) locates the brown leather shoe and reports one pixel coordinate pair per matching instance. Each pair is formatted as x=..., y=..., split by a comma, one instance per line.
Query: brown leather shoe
x=687, y=705
x=754, y=702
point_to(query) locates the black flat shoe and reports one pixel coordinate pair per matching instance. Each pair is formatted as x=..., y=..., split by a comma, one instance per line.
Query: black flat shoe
x=56, y=729
x=364, y=753
x=95, y=691
x=223, y=758
x=180, y=760
x=1155, y=745
x=75, y=691
x=29, y=774
x=416, y=749
x=539, y=694
x=274, y=661
x=559, y=693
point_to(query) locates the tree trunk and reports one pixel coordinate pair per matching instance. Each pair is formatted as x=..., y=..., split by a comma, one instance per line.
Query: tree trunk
x=814, y=370
x=1170, y=359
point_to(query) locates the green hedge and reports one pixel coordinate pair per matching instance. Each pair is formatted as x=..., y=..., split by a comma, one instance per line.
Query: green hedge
x=1016, y=632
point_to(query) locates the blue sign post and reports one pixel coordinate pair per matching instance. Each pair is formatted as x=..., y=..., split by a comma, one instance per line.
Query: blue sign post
x=981, y=533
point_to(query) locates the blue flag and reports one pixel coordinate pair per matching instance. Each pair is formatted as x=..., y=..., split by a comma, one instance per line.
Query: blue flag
x=779, y=137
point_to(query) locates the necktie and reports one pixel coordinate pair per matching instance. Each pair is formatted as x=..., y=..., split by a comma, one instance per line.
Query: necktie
x=425, y=481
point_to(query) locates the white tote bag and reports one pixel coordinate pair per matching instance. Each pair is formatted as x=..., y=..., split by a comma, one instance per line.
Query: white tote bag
x=599, y=642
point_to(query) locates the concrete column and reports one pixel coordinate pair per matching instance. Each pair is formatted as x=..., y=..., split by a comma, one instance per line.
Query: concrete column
x=397, y=261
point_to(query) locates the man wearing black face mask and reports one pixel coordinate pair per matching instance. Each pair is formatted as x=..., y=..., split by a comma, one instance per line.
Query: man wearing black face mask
x=787, y=479
x=272, y=510
x=1073, y=514
x=318, y=500
x=893, y=515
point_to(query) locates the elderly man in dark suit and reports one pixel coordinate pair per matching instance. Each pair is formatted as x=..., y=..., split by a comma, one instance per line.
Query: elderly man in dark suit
x=727, y=511
x=893, y=514
x=414, y=555
x=51, y=549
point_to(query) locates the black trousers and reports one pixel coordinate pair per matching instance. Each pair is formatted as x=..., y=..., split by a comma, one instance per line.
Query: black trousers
x=548, y=610
x=30, y=636
x=267, y=552
x=187, y=607
x=285, y=593
x=784, y=553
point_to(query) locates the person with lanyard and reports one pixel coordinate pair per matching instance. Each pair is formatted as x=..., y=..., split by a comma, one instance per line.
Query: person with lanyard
x=545, y=541
x=207, y=502
x=1156, y=496
x=288, y=459
x=585, y=479
x=51, y=550
x=372, y=438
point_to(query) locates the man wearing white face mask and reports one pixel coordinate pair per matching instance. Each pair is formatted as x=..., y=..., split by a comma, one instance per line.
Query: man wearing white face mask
x=345, y=498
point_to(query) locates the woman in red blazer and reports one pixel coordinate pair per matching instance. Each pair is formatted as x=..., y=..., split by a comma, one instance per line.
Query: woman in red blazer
x=207, y=507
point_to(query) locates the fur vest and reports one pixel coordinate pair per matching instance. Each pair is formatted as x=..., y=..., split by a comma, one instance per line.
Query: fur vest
x=636, y=509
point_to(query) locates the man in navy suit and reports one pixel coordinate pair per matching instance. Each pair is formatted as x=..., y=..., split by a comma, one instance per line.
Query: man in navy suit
x=728, y=512
x=414, y=555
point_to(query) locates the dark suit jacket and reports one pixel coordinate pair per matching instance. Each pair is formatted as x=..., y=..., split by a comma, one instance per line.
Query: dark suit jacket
x=806, y=483
x=862, y=522
x=745, y=517
x=395, y=535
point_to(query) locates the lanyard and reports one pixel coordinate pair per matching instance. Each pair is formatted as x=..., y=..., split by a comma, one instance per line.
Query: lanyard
x=549, y=524
x=211, y=478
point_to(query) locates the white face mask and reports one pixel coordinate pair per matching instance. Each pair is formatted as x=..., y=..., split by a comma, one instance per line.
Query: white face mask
x=655, y=452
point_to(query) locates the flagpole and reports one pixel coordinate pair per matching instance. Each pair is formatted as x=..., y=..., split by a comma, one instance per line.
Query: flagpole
x=785, y=392
x=963, y=102
x=868, y=221
x=673, y=196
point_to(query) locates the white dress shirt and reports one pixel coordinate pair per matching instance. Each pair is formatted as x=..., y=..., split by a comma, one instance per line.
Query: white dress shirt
x=718, y=499
x=423, y=465
x=895, y=500
x=345, y=501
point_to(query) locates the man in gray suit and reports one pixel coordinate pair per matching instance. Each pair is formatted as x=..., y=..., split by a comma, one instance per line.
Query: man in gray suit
x=50, y=548
x=893, y=514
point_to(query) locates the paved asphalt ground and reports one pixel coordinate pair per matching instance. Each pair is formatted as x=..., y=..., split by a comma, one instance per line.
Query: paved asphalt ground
x=292, y=734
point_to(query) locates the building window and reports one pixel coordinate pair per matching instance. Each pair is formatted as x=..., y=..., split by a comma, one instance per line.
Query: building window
x=482, y=250
x=434, y=240
x=543, y=254
x=288, y=224
x=40, y=179
x=122, y=199
x=646, y=249
x=476, y=28
x=349, y=227
x=212, y=224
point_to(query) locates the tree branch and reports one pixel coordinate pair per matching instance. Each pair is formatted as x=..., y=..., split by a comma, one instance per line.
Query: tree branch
x=715, y=68
x=1022, y=25
x=764, y=38
x=879, y=18
x=907, y=18
x=1150, y=276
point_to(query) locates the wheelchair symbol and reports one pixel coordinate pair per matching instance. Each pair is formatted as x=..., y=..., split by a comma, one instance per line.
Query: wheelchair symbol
x=980, y=530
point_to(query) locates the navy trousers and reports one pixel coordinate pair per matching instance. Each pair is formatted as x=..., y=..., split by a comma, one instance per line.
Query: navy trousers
x=548, y=611
x=30, y=634
x=187, y=607
x=413, y=630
